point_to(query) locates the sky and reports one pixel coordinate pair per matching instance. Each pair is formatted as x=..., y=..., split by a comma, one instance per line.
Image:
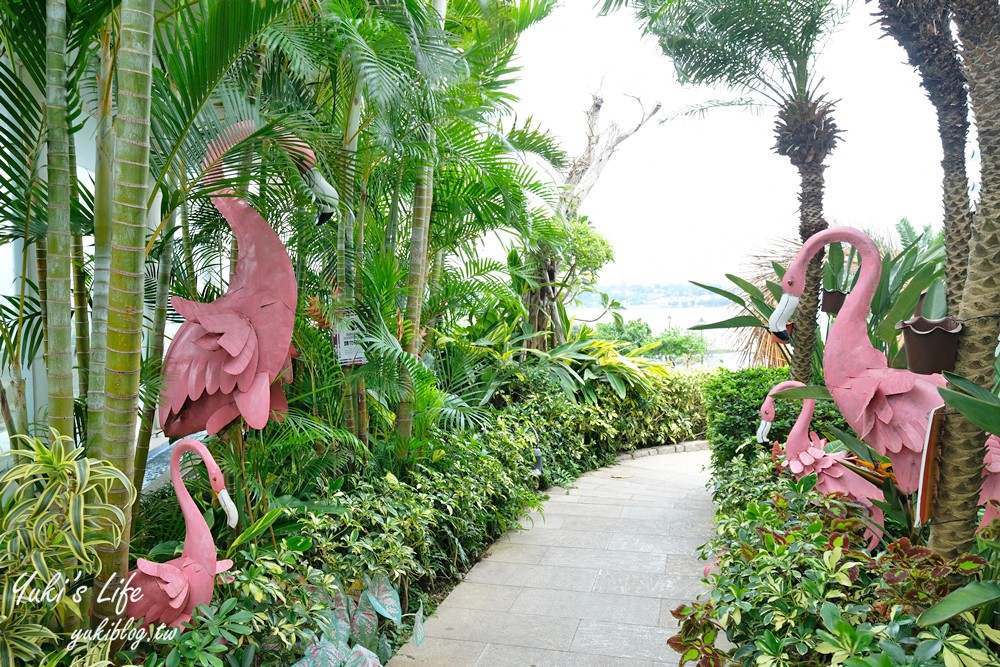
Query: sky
x=691, y=198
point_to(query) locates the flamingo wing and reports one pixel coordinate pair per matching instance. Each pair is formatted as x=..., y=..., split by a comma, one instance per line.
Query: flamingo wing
x=165, y=591
x=990, y=488
x=212, y=369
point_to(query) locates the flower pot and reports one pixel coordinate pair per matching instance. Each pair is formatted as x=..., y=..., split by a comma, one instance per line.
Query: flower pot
x=833, y=301
x=931, y=345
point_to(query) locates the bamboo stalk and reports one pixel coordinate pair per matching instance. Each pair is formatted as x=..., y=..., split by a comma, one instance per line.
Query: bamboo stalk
x=103, y=195
x=125, y=300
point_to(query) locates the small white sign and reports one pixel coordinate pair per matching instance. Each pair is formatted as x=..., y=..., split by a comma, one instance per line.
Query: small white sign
x=349, y=352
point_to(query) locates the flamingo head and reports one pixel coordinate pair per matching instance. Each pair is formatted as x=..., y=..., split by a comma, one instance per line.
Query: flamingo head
x=766, y=419
x=327, y=197
x=218, y=483
x=791, y=285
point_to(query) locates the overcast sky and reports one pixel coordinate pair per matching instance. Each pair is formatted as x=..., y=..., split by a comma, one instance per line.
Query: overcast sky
x=690, y=198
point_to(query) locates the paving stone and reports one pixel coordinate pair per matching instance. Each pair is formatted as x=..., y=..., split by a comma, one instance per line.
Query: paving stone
x=488, y=597
x=502, y=628
x=683, y=586
x=670, y=542
x=534, y=576
x=438, y=652
x=623, y=561
x=584, y=539
x=498, y=655
x=505, y=551
x=640, y=453
x=592, y=606
x=620, y=640
x=592, y=509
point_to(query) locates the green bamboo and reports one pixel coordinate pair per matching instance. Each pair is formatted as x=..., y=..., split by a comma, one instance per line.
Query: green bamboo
x=103, y=192
x=125, y=299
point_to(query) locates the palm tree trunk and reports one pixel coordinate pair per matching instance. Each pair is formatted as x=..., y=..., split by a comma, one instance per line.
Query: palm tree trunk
x=923, y=29
x=42, y=271
x=811, y=221
x=59, y=361
x=416, y=282
x=103, y=194
x=81, y=310
x=962, y=447
x=154, y=357
x=392, y=227
x=125, y=303
x=362, y=389
x=81, y=316
x=415, y=286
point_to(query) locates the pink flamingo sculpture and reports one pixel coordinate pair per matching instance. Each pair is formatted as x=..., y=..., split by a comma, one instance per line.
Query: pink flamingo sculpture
x=991, y=481
x=891, y=408
x=806, y=454
x=226, y=359
x=170, y=591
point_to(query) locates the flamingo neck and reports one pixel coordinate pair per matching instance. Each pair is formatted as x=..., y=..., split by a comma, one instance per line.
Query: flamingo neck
x=798, y=437
x=849, y=333
x=197, y=532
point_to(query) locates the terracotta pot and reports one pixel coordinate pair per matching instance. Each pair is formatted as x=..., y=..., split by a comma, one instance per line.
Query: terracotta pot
x=833, y=301
x=931, y=345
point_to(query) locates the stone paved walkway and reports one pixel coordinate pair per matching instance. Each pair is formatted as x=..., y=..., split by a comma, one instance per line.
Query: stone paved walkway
x=590, y=584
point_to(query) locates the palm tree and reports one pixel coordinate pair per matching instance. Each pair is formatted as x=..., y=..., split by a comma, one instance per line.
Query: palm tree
x=125, y=301
x=961, y=457
x=59, y=361
x=923, y=29
x=768, y=50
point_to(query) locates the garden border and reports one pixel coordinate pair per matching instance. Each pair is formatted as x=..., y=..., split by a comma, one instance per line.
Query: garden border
x=689, y=446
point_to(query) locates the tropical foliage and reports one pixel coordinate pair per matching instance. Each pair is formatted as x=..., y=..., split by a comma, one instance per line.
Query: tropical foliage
x=384, y=479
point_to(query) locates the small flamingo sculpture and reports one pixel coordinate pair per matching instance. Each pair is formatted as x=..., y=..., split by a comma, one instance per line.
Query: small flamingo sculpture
x=806, y=454
x=170, y=591
x=229, y=355
x=890, y=408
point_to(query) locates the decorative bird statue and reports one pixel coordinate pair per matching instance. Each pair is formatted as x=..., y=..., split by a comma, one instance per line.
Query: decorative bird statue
x=990, y=489
x=229, y=355
x=170, y=591
x=806, y=454
x=891, y=408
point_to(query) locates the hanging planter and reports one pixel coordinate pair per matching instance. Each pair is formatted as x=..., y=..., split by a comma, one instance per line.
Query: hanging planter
x=931, y=345
x=833, y=301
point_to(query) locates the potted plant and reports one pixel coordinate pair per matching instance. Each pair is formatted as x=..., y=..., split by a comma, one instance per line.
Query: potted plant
x=839, y=275
x=931, y=344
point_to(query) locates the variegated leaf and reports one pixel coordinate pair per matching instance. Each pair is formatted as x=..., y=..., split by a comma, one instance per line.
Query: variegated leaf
x=364, y=622
x=362, y=657
x=323, y=654
x=418, y=626
x=383, y=596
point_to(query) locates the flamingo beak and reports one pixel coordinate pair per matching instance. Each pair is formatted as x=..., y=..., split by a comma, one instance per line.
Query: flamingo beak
x=328, y=199
x=762, y=431
x=778, y=323
x=229, y=507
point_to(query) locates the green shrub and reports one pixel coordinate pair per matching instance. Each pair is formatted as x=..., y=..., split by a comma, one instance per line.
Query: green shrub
x=577, y=436
x=732, y=403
